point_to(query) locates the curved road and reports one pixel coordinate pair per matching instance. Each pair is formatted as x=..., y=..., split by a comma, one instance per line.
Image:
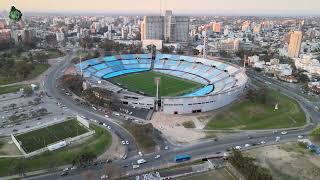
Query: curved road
x=198, y=150
x=50, y=85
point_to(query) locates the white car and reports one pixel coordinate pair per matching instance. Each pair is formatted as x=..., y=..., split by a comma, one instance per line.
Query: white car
x=65, y=169
x=108, y=127
x=300, y=137
x=127, y=142
x=284, y=132
x=277, y=139
x=124, y=157
x=157, y=156
x=247, y=145
x=104, y=124
x=104, y=177
x=106, y=115
x=140, y=153
x=262, y=142
x=238, y=147
x=73, y=168
x=123, y=142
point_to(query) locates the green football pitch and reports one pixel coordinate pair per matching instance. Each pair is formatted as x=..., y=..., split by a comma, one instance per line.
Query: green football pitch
x=40, y=138
x=144, y=82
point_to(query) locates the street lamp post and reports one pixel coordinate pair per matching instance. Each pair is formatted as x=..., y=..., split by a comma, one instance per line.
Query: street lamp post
x=157, y=81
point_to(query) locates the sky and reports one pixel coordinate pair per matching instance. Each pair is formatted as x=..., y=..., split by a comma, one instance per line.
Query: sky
x=178, y=6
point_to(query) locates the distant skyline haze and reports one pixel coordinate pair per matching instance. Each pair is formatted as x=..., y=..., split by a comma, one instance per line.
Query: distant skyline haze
x=291, y=7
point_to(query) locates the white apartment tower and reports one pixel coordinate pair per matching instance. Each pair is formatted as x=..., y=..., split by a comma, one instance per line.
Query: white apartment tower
x=295, y=44
x=168, y=27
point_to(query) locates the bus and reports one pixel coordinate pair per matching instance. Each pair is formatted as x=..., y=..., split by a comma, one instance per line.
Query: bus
x=182, y=157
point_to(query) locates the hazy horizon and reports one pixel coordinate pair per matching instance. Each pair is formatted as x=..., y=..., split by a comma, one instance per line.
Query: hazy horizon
x=232, y=7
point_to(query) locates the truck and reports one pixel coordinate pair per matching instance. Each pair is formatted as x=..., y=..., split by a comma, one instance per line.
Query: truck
x=141, y=161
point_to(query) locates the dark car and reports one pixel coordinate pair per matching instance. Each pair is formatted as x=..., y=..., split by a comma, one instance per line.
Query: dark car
x=64, y=173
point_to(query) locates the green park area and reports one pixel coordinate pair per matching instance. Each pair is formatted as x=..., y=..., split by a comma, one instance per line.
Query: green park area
x=11, y=89
x=91, y=148
x=20, y=64
x=144, y=82
x=257, y=111
x=21, y=71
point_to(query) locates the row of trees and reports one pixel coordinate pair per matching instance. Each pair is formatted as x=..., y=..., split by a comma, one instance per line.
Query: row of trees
x=261, y=96
x=247, y=167
x=73, y=82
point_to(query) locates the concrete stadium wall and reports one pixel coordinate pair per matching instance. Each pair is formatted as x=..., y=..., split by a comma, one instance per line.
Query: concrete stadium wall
x=14, y=140
x=203, y=103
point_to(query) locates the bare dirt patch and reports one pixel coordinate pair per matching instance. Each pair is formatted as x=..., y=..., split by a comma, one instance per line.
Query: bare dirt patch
x=288, y=161
x=8, y=148
x=171, y=127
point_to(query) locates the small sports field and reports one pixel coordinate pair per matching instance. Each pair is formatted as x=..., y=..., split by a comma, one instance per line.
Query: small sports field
x=144, y=82
x=40, y=138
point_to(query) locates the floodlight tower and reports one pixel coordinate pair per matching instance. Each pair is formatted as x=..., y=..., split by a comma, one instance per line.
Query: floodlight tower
x=157, y=81
x=81, y=72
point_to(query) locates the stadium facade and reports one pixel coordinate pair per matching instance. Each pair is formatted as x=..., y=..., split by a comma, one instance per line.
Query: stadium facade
x=222, y=82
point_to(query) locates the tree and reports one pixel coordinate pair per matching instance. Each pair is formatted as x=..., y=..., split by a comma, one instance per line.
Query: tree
x=195, y=52
x=73, y=82
x=12, y=105
x=303, y=78
x=27, y=91
x=18, y=167
x=84, y=157
x=246, y=166
x=151, y=48
x=167, y=50
x=180, y=51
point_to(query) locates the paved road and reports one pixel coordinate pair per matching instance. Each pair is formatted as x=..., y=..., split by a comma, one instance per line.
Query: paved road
x=207, y=148
x=50, y=87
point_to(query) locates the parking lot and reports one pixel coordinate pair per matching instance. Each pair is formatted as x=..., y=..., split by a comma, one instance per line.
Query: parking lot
x=18, y=112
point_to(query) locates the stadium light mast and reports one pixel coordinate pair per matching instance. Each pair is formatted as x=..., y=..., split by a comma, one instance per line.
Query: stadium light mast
x=81, y=72
x=157, y=81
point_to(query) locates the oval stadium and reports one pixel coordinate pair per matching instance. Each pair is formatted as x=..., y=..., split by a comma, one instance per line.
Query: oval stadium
x=185, y=84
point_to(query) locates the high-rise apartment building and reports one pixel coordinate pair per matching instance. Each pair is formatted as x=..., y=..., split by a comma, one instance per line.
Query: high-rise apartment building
x=168, y=27
x=152, y=27
x=295, y=44
x=216, y=27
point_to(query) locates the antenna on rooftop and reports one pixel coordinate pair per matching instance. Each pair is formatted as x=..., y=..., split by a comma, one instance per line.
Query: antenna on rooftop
x=160, y=7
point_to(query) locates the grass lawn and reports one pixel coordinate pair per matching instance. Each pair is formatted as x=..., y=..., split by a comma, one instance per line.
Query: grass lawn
x=38, y=69
x=40, y=138
x=249, y=115
x=144, y=82
x=97, y=144
x=11, y=89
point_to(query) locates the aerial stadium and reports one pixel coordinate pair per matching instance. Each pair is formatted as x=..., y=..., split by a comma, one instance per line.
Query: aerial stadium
x=172, y=84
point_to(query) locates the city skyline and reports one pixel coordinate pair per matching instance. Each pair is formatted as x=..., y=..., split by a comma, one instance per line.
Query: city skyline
x=291, y=7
